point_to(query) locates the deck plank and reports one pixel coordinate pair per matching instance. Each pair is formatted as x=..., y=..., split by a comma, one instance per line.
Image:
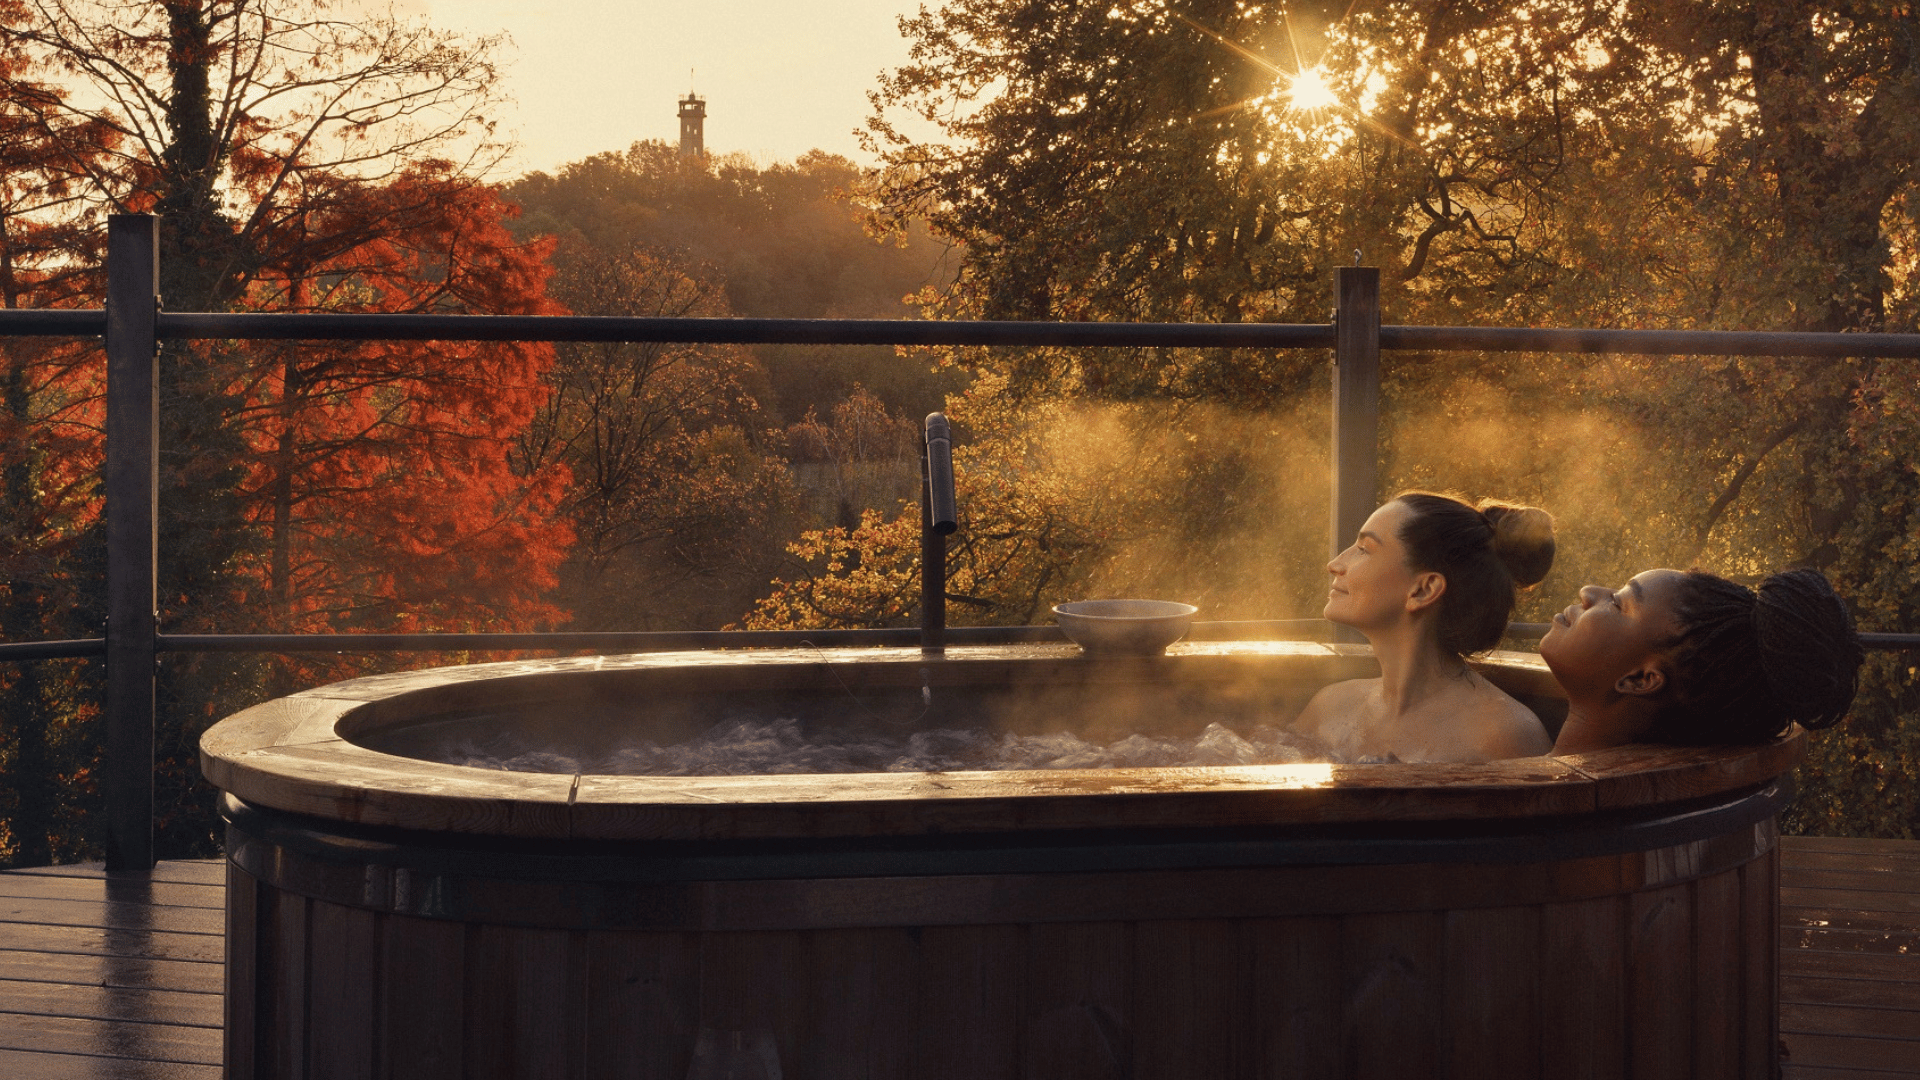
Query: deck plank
x=111, y=915
x=131, y=944
x=110, y=1039
x=163, y=894
x=30, y=1065
x=87, y=1002
x=80, y=969
x=181, y=871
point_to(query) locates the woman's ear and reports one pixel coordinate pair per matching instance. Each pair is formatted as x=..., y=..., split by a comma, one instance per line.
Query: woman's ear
x=1426, y=591
x=1643, y=681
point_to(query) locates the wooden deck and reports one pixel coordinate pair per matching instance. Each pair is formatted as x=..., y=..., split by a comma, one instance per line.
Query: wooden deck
x=119, y=977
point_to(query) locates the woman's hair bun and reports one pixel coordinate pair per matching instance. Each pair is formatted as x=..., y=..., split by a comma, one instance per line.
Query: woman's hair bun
x=1522, y=540
x=1808, y=649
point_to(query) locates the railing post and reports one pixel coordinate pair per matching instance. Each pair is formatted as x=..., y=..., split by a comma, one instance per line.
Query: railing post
x=132, y=487
x=1356, y=402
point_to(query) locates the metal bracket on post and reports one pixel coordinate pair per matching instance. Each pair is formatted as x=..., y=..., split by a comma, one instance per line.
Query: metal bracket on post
x=1356, y=405
x=132, y=498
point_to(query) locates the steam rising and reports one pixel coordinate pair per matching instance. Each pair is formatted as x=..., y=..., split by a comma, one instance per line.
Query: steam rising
x=782, y=746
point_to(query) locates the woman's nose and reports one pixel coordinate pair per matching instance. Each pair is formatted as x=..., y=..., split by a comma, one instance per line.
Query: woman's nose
x=1593, y=594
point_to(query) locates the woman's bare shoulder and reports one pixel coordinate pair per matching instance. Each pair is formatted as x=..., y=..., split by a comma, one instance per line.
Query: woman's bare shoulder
x=1333, y=700
x=1511, y=730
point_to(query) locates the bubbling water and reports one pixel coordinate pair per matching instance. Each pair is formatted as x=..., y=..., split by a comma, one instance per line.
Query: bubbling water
x=782, y=746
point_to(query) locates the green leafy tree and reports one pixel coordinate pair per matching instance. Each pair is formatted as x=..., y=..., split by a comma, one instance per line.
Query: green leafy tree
x=1660, y=163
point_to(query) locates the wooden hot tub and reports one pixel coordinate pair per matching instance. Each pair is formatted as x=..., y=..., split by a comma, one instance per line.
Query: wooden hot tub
x=1605, y=915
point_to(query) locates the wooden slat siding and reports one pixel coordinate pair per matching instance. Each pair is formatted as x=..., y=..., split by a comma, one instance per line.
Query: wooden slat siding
x=1491, y=985
x=343, y=985
x=1582, y=1019
x=1297, y=995
x=517, y=1004
x=1719, y=985
x=1079, y=1020
x=422, y=980
x=1190, y=983
x=27, y=1065
x=1760, y=1053
x=1659, y=955
x=243, y=938
x=280, y=1039
x=974, y=977
x=746, y=983
x=643, y=1000
x=1392, y=975
x=872, y=976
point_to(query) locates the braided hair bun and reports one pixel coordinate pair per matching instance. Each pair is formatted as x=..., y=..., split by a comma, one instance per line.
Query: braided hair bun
x=1808, y=648
x=1747, y=662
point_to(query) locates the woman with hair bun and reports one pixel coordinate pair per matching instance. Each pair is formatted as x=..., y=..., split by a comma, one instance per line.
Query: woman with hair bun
x=1430, y=581
x=1690, y=658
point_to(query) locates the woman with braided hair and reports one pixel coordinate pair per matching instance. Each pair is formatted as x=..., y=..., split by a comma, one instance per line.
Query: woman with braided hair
x=1430, y=581
x=1690, y=658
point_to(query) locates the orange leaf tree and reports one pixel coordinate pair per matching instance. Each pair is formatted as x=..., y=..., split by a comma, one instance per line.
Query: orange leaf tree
x=305, y=156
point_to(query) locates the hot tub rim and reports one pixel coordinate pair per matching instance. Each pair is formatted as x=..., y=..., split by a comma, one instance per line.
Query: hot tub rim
x=287, y=755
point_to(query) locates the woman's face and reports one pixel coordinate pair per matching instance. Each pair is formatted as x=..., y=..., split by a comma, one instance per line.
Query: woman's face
x=1612, y=635
x=1371, y=579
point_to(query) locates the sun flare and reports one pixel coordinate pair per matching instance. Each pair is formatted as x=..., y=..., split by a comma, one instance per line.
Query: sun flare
x=1308, y=91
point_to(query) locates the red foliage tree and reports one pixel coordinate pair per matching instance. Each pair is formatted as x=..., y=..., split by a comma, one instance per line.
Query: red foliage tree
x=379, y=471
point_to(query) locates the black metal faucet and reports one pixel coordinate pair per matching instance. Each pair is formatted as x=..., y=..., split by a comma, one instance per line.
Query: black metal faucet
x=938, y=517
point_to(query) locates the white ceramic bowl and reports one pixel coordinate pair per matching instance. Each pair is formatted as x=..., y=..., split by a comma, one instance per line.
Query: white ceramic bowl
x=1125, y=627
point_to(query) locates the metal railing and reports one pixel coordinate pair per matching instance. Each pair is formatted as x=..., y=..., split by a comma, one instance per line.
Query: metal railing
x=133, y=325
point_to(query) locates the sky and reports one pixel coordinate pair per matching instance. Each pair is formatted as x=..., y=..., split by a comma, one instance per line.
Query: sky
x=780, y=77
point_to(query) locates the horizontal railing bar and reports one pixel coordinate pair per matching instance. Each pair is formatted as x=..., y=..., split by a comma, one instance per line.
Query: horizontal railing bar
x=1647, y=342
x=668, y=640
x=53, y=322
x=377, y=326
x=607, y=328
x=52, y=650
x=660, y=641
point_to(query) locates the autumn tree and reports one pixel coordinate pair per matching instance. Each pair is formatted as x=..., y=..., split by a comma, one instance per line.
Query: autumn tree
x=307, y=155
x=50, y=538
x=678, y=495
x=787, y=240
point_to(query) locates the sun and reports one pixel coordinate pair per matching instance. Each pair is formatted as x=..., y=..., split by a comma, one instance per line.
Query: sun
x=1307, y=91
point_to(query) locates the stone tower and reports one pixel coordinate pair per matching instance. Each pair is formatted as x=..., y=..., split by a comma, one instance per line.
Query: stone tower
x=693, y=124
